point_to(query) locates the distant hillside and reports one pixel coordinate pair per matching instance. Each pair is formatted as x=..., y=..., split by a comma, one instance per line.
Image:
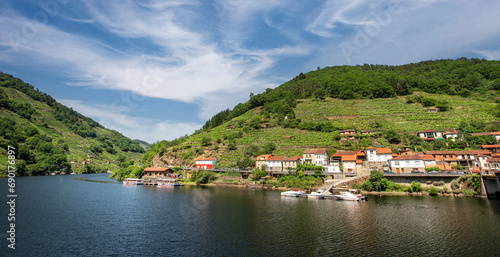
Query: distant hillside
x=50, y=137
x=309, y=110
x=145, y=145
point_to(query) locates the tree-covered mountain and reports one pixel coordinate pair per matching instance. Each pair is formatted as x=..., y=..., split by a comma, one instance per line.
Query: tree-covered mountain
x=473, y=78
x=308, y=111
x=52, y=138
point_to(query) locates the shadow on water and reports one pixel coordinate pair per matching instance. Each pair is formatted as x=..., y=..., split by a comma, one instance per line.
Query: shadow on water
x=92, y=179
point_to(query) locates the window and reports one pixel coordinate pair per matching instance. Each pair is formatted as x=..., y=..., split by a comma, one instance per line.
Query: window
x=396, y=163
x=407, y=162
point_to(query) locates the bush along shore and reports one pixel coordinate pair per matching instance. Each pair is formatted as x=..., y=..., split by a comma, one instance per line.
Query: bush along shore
x=377, y=184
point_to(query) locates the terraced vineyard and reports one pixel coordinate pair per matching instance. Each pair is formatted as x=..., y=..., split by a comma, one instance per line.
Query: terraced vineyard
x=392, y=113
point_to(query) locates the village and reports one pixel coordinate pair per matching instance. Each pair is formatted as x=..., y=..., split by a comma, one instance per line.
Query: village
x=342, y=164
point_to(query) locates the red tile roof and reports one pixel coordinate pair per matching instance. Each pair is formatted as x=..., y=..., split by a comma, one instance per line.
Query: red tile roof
x=341, y=153
x=320, y=150
x=429, y=130
x=348, y=157
x=407, y=157
x=384, y=150
x=490, y=146
x=155, y=169
x=204, y=159
x=293, y=159
x=265, y=156
x=276, y=158
x=468, y=152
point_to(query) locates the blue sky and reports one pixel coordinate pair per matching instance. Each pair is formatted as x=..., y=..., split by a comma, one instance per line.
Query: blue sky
x=157, y=70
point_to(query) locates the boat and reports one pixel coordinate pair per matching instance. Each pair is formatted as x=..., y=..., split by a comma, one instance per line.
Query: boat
x=357, y=193
x=318, y=194
x=133, y=182
x=347, y=196
x=168, y=182
x=52, y=174
x=293, y=193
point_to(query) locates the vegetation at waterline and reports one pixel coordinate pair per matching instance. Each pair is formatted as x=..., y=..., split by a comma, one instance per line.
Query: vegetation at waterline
x=468, y=184
x=52, y=138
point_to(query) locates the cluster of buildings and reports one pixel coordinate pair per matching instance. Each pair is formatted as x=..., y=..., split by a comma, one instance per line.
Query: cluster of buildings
x=407, y=161
x=486, y=160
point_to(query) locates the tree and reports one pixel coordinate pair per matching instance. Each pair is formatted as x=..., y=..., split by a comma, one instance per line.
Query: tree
x=232, y=145
x=206, y=141
x=268, y=148
x=320, y=93
x=392, y=136
x=247, y=162
x=251, y=150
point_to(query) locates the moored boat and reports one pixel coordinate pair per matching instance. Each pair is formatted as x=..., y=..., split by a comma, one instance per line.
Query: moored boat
x=133, y=182
x=318, y=194
x=168, y=182
x=293, y=193
x=347, y=196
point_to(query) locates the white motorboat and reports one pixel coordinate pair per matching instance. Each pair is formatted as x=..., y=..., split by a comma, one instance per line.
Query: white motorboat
x=318, y=194
x=347, y=196
x=293, y=193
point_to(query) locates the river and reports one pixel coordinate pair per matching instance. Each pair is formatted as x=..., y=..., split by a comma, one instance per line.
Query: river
x=92, y=215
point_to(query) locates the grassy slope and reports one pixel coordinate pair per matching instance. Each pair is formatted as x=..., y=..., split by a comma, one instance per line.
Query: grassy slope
x=78, y=146
x=393, y=113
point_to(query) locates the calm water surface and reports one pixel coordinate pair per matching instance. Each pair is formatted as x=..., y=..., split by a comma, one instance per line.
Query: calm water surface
x=92, y=215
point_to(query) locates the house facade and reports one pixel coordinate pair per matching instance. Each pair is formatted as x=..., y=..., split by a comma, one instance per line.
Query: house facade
x=275, y=164
x=407, y=163
x=261, y=160
x=317, y=157
x=292, y=163
x=156, y=172
x=205, y=163
x=430, y=134
x=378, y=154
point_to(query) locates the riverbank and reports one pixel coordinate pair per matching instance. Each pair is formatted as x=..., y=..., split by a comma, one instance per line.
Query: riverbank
x=417, y=194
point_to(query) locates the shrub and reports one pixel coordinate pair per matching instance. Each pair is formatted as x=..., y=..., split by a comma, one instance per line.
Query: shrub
x=455, y=185
x=416, y=186
x=428, y=182
x=468, y=192
x=433, y=190
x=445, y=190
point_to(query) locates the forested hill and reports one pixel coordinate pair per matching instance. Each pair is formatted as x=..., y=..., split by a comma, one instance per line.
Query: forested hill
x=473, y=78
x=385, y=105
x=52, y=138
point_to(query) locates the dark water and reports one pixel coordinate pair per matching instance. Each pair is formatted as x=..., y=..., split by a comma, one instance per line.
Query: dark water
x=91, y=215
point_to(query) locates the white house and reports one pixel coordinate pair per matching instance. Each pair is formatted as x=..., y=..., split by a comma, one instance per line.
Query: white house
x=378, y=154
x=451, y=134
x=407, y=163
x=317, y=157
x=275, y=163
x=430, y=134
x=205, y=163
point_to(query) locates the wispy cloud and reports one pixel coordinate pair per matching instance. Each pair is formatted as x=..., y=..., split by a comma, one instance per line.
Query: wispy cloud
x=186, y=65
x=150, y=130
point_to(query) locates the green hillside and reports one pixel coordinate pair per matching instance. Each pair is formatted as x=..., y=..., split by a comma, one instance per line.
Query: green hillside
x=52, y=138
x=309, y=110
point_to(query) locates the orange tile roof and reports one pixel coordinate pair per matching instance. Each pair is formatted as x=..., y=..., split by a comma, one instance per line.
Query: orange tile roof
x=204, y=159
x=408, y=157
x=155, y=169
x=265, y=156
x=320, y=150
x=359, y=161
x=429, y=130
x=495, y=133
x=348, y=157
x=384, y=150
x=342, y=153
x=428, y=157
x=361, y=153
x=276, y=158
x=293, y=159
x=490, y=146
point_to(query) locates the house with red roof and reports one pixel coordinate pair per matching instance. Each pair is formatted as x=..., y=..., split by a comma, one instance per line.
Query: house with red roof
x=495, y=134
x=292, y=163
x=157, y=172
x=407, y=163
x=205, y=163
x=378, y=154
x=275, y=164
x=261, y=160
x=317, y=157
